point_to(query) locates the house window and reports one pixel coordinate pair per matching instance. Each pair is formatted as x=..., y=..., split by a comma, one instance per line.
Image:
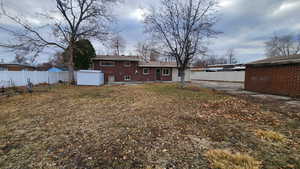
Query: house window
x=127, y=78
x=146, y=71
x=166, y=72
x=107, y=63
x=127, y=64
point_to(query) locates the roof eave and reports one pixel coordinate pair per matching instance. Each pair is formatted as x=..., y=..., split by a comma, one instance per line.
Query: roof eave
x=274, y=63
x=117, y=59
x=168, y=66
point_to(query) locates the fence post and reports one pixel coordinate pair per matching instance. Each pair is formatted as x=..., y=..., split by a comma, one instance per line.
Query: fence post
x=48, y=78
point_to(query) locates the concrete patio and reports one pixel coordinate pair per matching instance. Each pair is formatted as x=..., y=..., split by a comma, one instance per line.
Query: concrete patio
x=238, y=89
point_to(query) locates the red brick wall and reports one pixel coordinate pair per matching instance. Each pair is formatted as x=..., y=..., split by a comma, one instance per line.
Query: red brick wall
x=282, y=80
x=136, y=73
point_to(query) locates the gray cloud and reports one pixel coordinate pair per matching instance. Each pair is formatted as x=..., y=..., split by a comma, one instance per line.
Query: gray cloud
x=245, y=24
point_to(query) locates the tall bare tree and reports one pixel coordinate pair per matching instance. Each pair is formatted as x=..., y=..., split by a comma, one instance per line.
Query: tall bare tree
x=142, y=50
x=117, y=44
x=230, y=54
x=20, y=59
x=76, y=19
x=147, y=51
x=182, y=26
x=285, y=46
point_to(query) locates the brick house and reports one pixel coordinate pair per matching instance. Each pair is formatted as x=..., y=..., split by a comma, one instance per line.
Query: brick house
x=15, y=67
x=131, y=68
x=278, y=75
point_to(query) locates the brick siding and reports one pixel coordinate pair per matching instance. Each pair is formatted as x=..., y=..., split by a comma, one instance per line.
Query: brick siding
x=119, y=71
x=281, y=80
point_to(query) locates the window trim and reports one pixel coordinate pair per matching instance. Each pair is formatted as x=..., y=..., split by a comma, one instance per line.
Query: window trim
x=113, y=65
x=163, y=71
x=125, y=79
x=144, y=71
x=125, y=65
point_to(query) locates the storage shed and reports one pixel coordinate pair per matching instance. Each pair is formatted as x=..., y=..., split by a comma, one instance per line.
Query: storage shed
x=277, y=75
x=90, y=78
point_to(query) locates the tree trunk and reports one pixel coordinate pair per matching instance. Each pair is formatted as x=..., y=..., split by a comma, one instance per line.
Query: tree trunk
x=71, y=64
x=182, y=77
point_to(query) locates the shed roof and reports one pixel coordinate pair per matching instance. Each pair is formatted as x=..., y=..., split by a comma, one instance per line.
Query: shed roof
x=294, y=59
x=117, y=58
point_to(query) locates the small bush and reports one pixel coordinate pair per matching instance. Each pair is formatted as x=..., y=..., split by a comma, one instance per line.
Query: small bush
x=270, y=136
x=224, y=159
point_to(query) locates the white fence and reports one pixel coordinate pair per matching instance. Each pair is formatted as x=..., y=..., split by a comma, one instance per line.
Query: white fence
x=219, y=76
x=20, y=78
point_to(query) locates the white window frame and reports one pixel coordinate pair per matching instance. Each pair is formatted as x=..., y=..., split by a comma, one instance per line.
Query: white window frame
x=127, y=77
x=113, y=65
x=127, y=65
x=163, y=71
x=144, y=71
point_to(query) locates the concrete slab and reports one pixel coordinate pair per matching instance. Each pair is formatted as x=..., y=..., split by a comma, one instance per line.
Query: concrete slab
x=238, y=89
x=280, y=97
x=294, y=103
x=241, y=92
x=273, y=97
x=222, y=86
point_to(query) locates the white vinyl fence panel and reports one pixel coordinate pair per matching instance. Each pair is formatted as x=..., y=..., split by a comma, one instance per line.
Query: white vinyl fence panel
x=238, y=76
x=20, y=78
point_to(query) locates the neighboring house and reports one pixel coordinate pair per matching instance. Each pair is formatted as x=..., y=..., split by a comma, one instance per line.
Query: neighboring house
x=55, y=69
x=278, y=75
x=131, y=68
x=16, y=67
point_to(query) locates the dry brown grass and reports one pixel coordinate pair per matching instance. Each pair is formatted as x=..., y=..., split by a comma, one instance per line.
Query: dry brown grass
x=139, y=126
x=224, y=159
x=270, y=136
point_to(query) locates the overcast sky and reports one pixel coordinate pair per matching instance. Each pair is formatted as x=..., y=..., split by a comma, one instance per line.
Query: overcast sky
x=246, y=24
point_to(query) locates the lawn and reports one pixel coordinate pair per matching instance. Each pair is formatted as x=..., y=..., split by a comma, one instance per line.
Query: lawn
x=144, y=126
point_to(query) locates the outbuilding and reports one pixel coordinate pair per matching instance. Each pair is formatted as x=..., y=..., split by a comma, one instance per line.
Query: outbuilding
x=90, y=78
x=276, y=75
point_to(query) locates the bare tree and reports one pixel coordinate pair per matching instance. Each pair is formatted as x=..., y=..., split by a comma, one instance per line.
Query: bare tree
x=117, y=44
x=209, y=59
x=285, y=46
x=142, y=49
x=147, y=51
x=58, y=59
x=20, y=59
x=77, y=19
x=182, y=26
x=230, y=54
x=214, y=59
